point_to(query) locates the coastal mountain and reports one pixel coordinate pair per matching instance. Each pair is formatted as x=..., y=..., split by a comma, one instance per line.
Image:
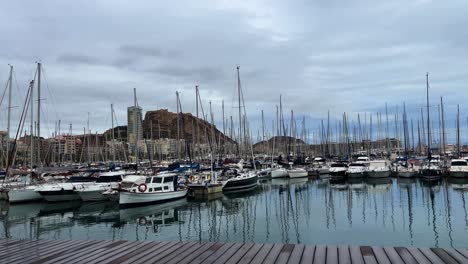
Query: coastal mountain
x=280, y=142
x=163, y=124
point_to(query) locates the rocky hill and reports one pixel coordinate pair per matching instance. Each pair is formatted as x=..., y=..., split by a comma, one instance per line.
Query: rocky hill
x=281, y=143
x=163, y=124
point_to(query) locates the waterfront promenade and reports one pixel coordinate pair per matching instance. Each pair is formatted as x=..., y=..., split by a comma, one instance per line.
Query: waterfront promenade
x=93, y=251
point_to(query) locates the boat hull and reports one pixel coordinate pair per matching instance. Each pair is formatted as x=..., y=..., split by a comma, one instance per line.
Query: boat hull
x=23, y=195
x=202, y=190
x=430, y=174
x=242, y=184
x=59, y=196
x=297, y=174
x=459, y=174
x=129, y=199
x=406, y=174
x=356, y=174
x=337, y=174
x=279, y=173
x=92, y=195
x=378, y=174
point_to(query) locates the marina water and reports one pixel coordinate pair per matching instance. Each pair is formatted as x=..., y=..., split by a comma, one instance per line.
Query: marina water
x=384, y=212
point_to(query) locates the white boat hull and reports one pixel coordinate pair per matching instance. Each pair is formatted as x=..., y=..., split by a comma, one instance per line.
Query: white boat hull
x=279, y=173
x=92, y=195
x=406, y=174
x=378, y=174
x=23, y=195
x=134, y=198
x=459, y=174
x=297, y=174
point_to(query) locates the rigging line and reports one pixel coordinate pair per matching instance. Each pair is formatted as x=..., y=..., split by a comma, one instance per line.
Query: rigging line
x=53, y=99
x=4, y=92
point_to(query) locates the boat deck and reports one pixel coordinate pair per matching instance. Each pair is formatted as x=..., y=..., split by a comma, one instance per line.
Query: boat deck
x=91, y=251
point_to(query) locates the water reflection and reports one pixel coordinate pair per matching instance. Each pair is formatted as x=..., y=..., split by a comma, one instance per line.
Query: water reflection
x=324, y=211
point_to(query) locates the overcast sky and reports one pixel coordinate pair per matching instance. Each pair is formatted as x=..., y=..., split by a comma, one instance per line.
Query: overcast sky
x=342, y=56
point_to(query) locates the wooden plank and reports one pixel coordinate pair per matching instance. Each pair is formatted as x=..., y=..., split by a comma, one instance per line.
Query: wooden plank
x=343, y=255
x=273, y=254
x=456, y=255
x=155, y=256
x=240, y=253
x=431, y=256
x=308, y=255
x=188, y=247
x=356, y=255
x=262, y=254
x=368, y=255
x=444, y=256
x=159, y=248
x=107, y=251
x=393, y=255
x=16, y=249
x=82, y=254
x=213, y=253
x=320, y=255
x=250, y=255
x=296, y=254
x=332, y=254
x=284, y=254
x=463, y=251
x=53, y=254
x=192, y=253
x=418, y=255
x=406, y=255
x=216, y=258
x=380, y=255
x=45, y=251
x=132, y=250
x=154, y=246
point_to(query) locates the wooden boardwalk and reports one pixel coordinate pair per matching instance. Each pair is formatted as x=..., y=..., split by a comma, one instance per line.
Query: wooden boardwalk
x=90, y=251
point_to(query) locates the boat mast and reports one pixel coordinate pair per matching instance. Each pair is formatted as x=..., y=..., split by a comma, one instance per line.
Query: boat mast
x=39, y=69
x=197, y=140
x=10, y=82
x=458, y=130
x=31, y=102
x=135, y=135
x=240, y=111
x=443, y=124
x=113, y=136
x=428, y=119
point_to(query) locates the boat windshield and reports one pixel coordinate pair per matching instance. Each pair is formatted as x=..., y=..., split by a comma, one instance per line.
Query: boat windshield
x=459, y=163
x=81, y=179
x=116, y=178
x=357, y=165
x=338, y=165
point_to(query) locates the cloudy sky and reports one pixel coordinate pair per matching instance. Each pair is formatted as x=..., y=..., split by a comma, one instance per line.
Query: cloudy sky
x=342, y=56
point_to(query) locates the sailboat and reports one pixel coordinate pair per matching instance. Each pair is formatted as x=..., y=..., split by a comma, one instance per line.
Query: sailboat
x=431, y=170
x=26, y=191
x=458, y=167
x=405, y=170
x=241, y=180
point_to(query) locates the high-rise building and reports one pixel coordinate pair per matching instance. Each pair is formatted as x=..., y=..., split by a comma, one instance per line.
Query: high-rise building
x=130, y=124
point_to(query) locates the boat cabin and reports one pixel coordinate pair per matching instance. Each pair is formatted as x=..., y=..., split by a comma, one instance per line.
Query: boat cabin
x=166, y=182
x=338, y=165
x=379, y=163
x=459, y=162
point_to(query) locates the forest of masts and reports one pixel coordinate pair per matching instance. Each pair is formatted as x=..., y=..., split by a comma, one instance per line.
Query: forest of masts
x=372, y=134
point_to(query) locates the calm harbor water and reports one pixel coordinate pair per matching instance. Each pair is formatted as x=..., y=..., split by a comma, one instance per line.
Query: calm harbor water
x=403, y=212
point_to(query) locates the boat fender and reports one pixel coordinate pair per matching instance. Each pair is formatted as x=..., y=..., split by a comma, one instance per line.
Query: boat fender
x=142, y=187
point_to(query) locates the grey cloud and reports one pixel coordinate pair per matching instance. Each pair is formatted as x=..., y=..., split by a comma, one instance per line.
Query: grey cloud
x=77, y=58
